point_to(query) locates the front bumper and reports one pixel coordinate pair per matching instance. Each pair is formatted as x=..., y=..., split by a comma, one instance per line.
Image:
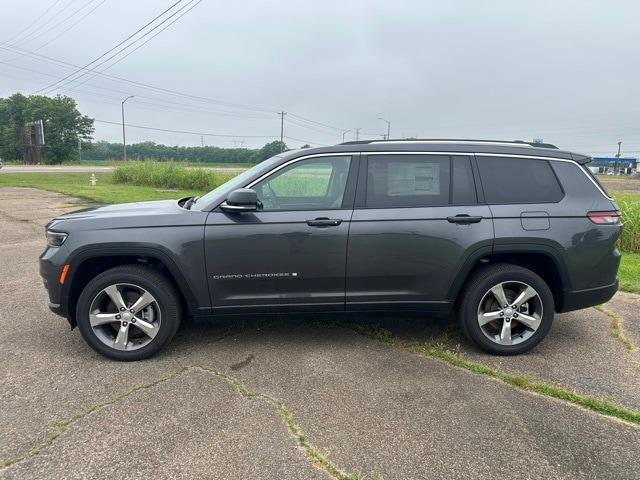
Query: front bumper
x=50, y=264
x=578, y=299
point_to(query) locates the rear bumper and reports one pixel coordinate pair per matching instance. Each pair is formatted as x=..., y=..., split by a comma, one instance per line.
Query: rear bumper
x=578, y=299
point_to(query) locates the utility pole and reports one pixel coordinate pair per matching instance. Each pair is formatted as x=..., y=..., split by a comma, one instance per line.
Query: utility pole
x=79, y=149
x=344, y=133
x=282, y=114
x=615, y=168
x=388, y=127
x=357, y=130
x=202, y=140
x=124, y=138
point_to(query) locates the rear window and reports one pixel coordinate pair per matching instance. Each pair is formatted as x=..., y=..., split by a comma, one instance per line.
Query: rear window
x=518, y=180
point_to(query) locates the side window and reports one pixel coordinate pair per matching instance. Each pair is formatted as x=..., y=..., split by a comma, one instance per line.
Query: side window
x=407, y=181
x=464, y=188
x=518, y=180
x=312, y=184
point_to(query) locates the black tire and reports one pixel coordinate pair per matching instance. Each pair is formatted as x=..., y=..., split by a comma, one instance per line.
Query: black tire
x=152, y=281
x=479, y=284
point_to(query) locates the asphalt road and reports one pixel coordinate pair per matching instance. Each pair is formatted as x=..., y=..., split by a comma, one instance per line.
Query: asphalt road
x=233, y=399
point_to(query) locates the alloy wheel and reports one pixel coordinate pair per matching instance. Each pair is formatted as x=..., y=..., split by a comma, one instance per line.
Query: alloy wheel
x=510, y=313
x=124, y=316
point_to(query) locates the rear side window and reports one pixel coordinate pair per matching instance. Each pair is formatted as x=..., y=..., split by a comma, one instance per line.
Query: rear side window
x=408, y=181
x=518, y=180
x=595, y=179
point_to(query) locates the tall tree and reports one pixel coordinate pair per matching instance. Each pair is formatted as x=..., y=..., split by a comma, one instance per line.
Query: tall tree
x=64, y=125
x=271, y=149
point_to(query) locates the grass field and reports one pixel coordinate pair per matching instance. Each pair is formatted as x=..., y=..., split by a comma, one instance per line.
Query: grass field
x=77, y=184
x=629, y=272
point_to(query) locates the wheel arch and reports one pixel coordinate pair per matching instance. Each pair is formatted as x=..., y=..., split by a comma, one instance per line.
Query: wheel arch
x=543, y=260
x=91, y=261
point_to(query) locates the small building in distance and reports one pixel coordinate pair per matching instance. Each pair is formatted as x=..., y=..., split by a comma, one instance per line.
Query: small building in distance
x=609, y=165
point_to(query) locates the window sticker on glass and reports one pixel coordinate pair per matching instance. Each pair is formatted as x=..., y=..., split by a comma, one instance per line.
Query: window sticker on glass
x=413, y=179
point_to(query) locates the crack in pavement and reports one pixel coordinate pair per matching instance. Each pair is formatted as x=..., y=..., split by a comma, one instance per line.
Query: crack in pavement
x=617, y=328
x=313, y=455
x=63, y=426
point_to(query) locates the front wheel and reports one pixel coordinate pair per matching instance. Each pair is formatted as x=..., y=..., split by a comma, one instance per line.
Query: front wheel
x=506, y=309
x=128, y=312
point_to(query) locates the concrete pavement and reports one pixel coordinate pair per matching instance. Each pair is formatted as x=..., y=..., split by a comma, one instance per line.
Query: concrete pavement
x=280, y=397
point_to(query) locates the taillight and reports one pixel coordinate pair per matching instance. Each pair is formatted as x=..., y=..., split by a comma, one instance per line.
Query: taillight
x=605, y=218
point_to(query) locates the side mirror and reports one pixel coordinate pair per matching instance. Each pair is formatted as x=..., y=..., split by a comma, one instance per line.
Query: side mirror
x=241, y=200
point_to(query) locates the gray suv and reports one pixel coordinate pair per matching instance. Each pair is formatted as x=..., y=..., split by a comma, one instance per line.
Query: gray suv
x=501, y=234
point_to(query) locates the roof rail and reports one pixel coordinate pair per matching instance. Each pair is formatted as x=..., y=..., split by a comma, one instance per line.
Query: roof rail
x=452, y=140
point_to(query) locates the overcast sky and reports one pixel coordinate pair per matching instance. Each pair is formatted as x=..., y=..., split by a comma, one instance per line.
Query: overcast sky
x=564, y=71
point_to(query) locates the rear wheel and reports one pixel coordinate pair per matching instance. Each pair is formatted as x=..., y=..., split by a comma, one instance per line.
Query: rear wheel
x=506, y=309
x=128, y=312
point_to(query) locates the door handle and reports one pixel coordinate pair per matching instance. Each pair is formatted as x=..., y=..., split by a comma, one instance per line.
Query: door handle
x=464, y=219
x=324, y=222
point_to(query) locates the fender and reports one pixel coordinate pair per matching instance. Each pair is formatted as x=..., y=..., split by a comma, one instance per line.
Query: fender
x=548, y=250
x=156, y=251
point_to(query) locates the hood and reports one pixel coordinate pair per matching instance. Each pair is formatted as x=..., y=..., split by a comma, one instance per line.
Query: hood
x=123, y=215
x=124, y=209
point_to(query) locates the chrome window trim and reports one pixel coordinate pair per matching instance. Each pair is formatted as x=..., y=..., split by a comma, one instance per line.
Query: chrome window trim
x=453, y=142
x=478, y=154
x=294, y=160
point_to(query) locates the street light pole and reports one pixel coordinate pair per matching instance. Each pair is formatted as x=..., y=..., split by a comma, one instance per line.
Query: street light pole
x=282, y=114
x=344, y=133
x=124, y=138
x=388, y=127
x=615, y=168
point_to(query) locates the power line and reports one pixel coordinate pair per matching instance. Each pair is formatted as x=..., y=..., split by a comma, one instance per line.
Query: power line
x=132, y=43
x=53, y=39
x=205, y=134
x=17, y=35
x=31, y=37
x=59, y=62
x=306, y=141
x=110, y=50
x=160, y=104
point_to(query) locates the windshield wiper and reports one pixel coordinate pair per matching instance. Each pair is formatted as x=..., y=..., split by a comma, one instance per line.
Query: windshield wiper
x=191, y=202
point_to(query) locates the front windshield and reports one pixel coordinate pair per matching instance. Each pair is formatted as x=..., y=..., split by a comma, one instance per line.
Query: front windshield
x=238, y=181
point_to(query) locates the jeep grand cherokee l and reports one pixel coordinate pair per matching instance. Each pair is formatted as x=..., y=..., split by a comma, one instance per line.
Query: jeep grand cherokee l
x=500, y=234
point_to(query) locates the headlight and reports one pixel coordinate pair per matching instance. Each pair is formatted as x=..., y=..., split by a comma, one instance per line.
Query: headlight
x=55, y=239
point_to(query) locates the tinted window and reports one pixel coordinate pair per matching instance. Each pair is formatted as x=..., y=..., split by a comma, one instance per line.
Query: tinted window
x=312, y=184
x=464, y=188
x=407, y=180
x=518, y=180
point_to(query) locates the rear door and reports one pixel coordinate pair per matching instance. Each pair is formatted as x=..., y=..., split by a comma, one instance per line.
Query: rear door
x=416, y=221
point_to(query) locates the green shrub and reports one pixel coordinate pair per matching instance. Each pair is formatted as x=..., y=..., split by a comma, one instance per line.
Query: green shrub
x=630, y=206
x=168, y=175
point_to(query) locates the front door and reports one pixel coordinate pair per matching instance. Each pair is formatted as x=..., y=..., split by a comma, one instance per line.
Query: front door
x=291, y=253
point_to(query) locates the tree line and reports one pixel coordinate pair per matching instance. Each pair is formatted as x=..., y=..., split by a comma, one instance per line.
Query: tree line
x=65, y=127
x=208, y=154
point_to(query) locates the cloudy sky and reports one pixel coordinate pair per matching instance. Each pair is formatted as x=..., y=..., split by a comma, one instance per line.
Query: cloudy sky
x=565, y=71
